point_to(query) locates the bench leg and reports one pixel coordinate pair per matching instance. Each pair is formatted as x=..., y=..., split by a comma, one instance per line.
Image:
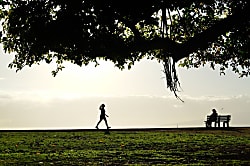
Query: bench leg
x=207, y=125
x=225, y=124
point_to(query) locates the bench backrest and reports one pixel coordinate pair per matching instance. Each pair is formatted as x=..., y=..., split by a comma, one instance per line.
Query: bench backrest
x=221, y=118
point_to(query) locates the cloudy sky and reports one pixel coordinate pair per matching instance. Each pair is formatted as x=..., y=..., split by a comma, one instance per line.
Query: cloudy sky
x=33, y=99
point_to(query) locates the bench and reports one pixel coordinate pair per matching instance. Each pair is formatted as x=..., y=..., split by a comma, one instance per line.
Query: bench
x=220, y=119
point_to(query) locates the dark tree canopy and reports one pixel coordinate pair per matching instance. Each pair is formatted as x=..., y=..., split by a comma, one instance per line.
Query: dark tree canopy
x=191, y=32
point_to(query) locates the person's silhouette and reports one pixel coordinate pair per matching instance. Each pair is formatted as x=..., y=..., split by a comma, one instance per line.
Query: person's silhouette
x=213, y=118
x=102, y=117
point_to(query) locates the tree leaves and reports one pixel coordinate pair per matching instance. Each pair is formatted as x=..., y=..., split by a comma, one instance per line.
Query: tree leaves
x=215, y=32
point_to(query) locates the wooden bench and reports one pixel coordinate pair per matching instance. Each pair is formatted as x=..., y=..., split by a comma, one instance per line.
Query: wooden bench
x=225, y=119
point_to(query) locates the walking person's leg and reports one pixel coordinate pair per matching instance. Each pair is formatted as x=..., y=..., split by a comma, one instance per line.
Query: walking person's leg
x=106, y=122
x=99, y=122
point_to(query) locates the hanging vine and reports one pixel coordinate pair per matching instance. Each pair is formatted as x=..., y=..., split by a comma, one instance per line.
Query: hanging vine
x=168, y=62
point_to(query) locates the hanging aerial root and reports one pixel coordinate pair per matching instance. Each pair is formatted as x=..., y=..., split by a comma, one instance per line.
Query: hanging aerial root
x=169, y=63
x=172, y=80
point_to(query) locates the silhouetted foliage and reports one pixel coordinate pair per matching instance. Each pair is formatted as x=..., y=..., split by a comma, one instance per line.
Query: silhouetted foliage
x=191, y=32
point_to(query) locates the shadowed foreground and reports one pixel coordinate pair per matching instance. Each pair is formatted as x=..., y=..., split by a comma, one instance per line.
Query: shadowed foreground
x=126, y=147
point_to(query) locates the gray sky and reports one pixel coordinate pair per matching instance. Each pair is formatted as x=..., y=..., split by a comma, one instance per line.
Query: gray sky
x=33, y=98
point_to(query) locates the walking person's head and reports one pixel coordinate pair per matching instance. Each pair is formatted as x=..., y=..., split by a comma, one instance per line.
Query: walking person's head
x=102, y=106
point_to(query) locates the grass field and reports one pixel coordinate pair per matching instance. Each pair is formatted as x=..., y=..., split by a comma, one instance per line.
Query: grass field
x=126, y=147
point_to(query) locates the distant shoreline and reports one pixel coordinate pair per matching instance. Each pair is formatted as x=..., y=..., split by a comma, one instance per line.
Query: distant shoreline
x=122, y=129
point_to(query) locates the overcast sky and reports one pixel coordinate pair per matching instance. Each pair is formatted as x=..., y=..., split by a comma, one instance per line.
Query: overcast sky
x=33, y=99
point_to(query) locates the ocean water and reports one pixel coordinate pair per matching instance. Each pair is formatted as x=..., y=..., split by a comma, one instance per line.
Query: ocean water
x=124, y=112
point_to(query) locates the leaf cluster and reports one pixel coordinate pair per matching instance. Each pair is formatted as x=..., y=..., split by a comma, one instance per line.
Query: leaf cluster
x=191, y=32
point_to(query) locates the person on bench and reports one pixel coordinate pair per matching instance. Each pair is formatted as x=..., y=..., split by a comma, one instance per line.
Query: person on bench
x=213, y=118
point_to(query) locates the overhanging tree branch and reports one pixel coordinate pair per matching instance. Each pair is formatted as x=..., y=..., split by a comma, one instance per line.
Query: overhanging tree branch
x=202, y=40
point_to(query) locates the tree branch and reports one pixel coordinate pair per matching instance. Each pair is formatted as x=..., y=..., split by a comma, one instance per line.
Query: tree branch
x=199, y=41
x=202, y=40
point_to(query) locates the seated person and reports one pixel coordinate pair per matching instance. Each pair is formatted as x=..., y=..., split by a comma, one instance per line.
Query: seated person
x=212, y=118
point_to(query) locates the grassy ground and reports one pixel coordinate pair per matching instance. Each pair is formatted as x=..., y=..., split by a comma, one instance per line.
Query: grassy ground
x=165, y=147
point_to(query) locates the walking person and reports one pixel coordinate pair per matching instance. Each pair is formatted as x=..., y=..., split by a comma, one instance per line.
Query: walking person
x=103, y=117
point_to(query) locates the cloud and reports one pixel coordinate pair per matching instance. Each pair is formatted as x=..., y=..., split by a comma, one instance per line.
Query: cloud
x=1, y=78
x=214, y=98
x=5, y=96
x=46, y=96
x=177, y=106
